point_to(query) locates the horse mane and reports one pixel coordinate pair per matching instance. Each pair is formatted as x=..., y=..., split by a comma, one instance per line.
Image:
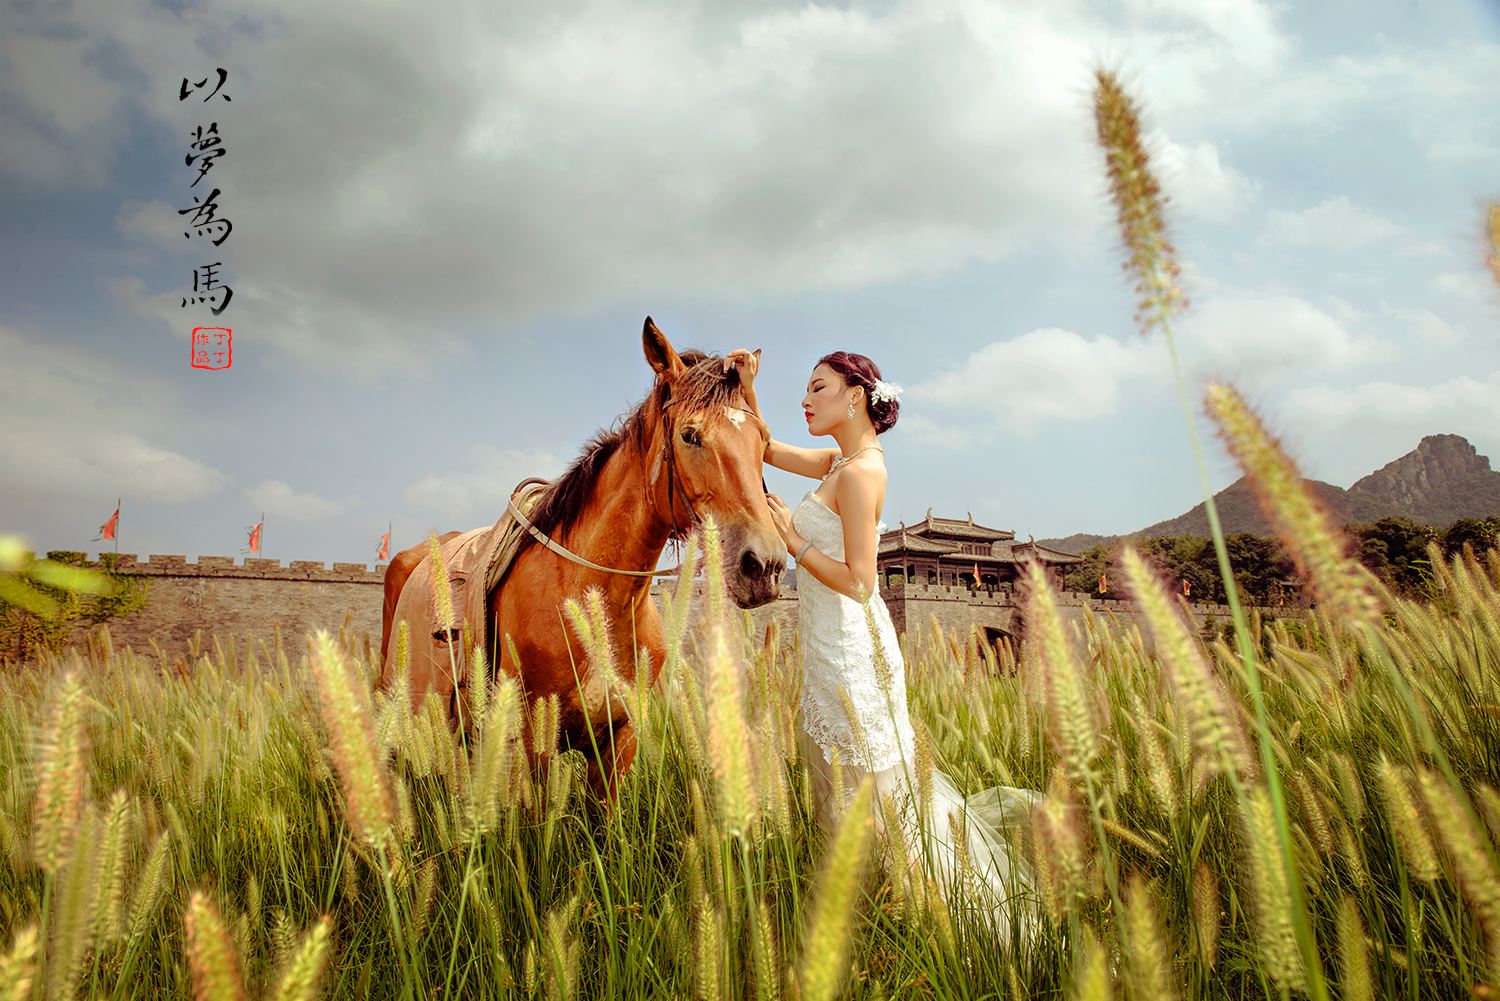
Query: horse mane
x=705, y=385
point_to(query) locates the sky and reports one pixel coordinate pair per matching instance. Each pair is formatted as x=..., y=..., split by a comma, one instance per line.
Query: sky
x=451, y=219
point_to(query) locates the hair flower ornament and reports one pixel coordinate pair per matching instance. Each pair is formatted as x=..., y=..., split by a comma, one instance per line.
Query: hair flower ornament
x=883, y=391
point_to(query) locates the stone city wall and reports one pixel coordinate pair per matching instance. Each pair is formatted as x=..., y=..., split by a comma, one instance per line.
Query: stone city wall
x=215, y=596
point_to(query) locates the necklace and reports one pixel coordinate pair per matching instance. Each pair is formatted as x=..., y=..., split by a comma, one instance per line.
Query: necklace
x=845, y=458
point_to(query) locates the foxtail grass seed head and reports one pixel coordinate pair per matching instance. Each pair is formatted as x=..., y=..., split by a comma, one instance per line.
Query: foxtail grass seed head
x=1271, y=894
x=546, y=722
x=491, y=786
x=1071, y=720
x=1354, y=960
x=825, y=956
x=1206, y=914
x=1315, y=545
x=767, y=956
x=73, y=907
x=1159, y=778
x=1213, y=726
x=1139, y=203
x=1407, y=821
x=150, y=886
x=708, y=952
x=1351, y=789
x=18, y=966
x=351, y=743
x=442, y=591
x=1492, y=239
x=62, y=776
x=403, y=647
x=111, y=868
x=1060, y=848
x=729, y=738
x=1091, y=977
x=300, y=980
x=212, y=956
x=1472, y=856
x=713, y=573
x=479, y=671
x=1148, y=966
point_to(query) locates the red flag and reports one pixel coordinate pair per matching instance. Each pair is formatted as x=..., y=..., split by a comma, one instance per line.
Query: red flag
x=107, y=530
x=255, y=537
x=385, y=545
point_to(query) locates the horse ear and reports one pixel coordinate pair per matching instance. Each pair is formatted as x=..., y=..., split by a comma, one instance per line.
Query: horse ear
x=659, y=351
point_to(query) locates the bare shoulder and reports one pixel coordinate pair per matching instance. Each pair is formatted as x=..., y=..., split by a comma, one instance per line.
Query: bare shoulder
x=862, y=484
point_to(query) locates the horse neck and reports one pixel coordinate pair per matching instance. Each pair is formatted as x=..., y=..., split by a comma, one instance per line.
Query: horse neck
x=618, y=527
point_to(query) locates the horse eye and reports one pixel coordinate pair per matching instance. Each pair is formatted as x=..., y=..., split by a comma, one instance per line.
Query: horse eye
x=690, y=435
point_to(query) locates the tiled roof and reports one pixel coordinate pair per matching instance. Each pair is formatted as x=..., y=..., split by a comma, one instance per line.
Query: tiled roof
x=962, y=528
x=913, y=544
x=925, y=538
x=1046, y=554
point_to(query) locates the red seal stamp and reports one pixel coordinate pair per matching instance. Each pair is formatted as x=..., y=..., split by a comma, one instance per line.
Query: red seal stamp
x=213, y=347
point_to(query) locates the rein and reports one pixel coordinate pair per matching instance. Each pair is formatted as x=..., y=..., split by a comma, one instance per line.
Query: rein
x=672, y=481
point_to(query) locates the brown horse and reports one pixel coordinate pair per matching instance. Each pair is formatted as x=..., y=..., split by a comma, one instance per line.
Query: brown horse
x=689, y=450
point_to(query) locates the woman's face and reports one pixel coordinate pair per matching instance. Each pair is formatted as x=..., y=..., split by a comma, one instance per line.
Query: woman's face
x=827, y=400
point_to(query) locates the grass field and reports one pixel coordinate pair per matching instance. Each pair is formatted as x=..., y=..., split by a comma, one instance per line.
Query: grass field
x=265, y=826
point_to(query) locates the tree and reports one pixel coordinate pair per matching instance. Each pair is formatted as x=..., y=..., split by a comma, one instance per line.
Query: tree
x=1395, y=550
x=40, y=600
x=1480, y=533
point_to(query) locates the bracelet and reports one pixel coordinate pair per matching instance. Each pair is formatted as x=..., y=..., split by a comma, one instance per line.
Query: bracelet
x=804, y=549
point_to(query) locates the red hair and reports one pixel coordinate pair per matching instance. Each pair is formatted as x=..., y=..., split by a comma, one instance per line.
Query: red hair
x=858, y=370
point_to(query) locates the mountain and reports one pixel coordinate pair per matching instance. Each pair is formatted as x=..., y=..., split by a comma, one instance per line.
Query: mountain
x=1443, y=479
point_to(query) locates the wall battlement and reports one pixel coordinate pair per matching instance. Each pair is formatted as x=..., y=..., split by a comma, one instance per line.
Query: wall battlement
x=174, y=565
x=256, y=597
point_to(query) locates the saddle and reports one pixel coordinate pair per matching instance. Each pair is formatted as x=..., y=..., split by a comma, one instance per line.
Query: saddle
x=476, y=563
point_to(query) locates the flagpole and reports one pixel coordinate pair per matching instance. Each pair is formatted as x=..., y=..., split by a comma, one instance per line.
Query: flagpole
x=117, y=529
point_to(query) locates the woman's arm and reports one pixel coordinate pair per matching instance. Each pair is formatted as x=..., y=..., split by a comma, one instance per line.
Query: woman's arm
x=812, y=462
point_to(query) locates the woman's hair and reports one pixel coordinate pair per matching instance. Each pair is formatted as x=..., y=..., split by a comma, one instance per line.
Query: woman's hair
x=857, y=370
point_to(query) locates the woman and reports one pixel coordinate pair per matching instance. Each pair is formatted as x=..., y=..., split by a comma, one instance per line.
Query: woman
x=853, y=696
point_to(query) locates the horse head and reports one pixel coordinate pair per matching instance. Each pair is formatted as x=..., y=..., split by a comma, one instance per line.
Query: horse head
x=706, y=458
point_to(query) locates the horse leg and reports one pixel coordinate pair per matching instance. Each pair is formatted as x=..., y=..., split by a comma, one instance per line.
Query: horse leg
x=608, y=768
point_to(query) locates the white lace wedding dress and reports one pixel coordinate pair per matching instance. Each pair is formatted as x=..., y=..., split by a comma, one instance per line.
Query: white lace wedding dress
x=839, y=661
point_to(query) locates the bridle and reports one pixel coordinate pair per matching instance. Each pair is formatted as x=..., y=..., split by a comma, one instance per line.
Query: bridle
x=674, y=487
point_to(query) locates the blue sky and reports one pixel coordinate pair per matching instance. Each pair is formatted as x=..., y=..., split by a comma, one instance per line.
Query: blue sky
x=451, y=219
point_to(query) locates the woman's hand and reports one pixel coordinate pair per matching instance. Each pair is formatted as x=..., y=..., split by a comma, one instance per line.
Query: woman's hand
x=781, y=516
x=747, y=361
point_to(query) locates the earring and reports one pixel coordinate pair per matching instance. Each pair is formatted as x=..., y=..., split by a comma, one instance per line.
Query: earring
x=851, y=410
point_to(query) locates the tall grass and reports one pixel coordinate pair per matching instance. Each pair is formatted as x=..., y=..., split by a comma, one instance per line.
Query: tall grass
x=231, y=834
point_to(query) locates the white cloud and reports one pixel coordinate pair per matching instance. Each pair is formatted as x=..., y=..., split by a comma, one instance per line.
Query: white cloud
x=1335, y=222
x=1361, y=427
x=68, y=432
x=952, y=436
x=1253, y=337
x=1461, y=399
x=1471, y=285
x=1043, y=375
x=278, y=498
x=557, y=160
x=1428, y=329
x=1200, y=183
x=485, y=482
